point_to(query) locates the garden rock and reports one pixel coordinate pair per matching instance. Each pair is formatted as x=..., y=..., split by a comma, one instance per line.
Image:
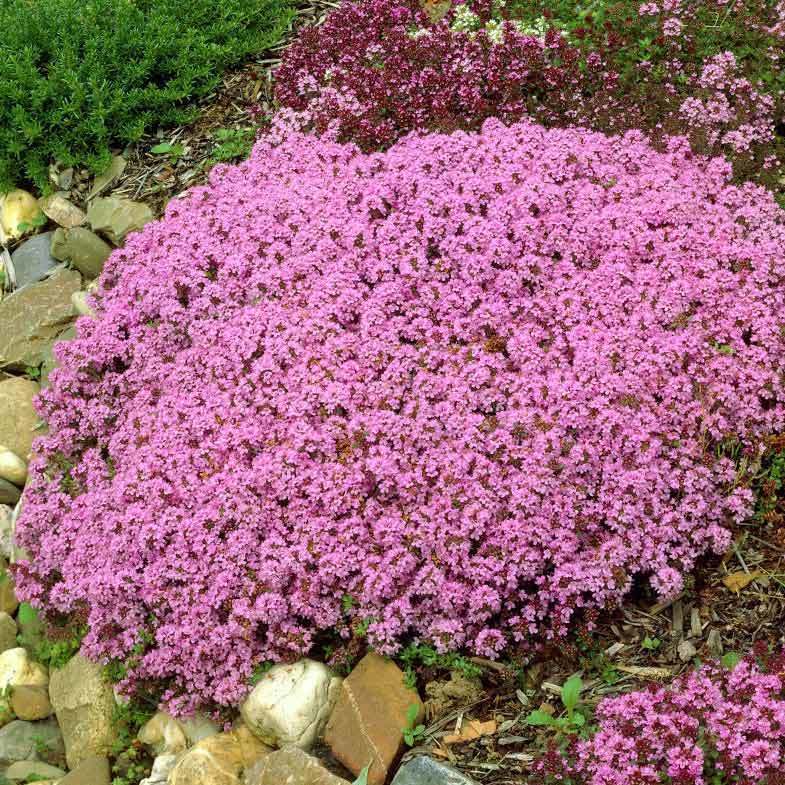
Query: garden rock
x=8, y=631
x=20, y=740
x=8, y=601
x=18, y=209
x=162, y=767
x=116, y=218
x=12, y=468
x=62, y=212
x=31, y=702
x=9, y=493
x=17, y=669
x=105, y=179
x=17, y=416
x=291, y=704
x=292, y=766
x=6, y=529
x=31, y=319
x=79, y=300
x=84, y=704
x=50, y=362
x=167, y=735
x=366, y=724
x=26, y=770
x=424, y=770
x=219, y=759
x=33, y=260
x=81, y=248
x=91, y=771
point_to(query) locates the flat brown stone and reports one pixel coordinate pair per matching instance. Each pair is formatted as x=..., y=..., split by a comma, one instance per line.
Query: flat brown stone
x=18, y=419
x=291, y=766
x=32, y=318
x=367, y=723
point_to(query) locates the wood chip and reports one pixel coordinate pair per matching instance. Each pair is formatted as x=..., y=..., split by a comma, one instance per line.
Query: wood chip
x=677, y=627
x=695, y=622
x=643, y=672
x=471, y=730
x=736, y=581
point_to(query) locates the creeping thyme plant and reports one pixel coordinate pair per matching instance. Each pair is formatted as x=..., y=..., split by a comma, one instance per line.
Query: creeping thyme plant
x=476, y=382
x=705, y=69
x=714, y=726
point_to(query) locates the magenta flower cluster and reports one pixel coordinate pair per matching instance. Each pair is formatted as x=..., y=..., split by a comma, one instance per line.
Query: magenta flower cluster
x=476, y=383
x=711, y=725
x=376, y=70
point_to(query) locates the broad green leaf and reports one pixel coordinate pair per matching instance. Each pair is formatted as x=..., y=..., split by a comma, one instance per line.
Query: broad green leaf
x=538, y=717
x=730, y=660
x=571, y=693
x=362, y=777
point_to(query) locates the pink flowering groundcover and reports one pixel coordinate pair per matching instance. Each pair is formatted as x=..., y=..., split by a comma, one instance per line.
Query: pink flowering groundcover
x=475, y=383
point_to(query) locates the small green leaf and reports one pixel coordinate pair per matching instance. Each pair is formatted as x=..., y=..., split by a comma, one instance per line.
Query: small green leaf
x=571, y=693
x=578, y=720
x=411, y=715
x=730, y=660
x=538, y=717
x=650, y=644
x=161, y=149
x=362, y=777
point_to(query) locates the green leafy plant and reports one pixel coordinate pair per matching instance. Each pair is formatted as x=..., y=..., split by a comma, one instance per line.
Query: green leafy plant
x=570, y=698
x=231, y=144
x=413, y=730
x=52, y=647
x=417, y=654
x=121, y=68
x=131, y=760
x=651, y=644
x=730, y=660
x=173, y=151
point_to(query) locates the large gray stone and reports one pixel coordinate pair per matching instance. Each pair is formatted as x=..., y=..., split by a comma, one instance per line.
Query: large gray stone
x=33, y=317
x=116, y=218
x=26, y=770
x=8, y=632
x=62, y=212
x=81, y=248
x=291, y=766
x=91, y=771
x=18, y=419
x=20, y=740
x=84, y=704
x=33, y=260
x=423, y=770
x=50, y=361
x=9, y=493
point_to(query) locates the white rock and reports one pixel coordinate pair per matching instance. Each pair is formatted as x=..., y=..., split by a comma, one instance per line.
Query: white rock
x=16, y=669
x=162, y=765
x=12, y=467
x=167, y=735
x=17, y=553
x=79, y=301
x=18, y=211
x=6, y=530
x=291, y=704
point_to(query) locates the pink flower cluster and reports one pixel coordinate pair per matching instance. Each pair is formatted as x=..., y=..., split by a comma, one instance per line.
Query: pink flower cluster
x=712, y=725
x=378, y=69
x=476, y=383
x=727, y=110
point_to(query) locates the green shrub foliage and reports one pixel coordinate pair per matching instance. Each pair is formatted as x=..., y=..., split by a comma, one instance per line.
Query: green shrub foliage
x=79, y=75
